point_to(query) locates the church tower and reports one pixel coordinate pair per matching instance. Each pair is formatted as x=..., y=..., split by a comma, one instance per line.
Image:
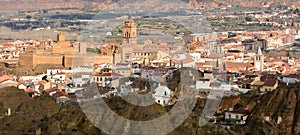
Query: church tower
x=60, y=45
x=129, y=31
x=259, y=61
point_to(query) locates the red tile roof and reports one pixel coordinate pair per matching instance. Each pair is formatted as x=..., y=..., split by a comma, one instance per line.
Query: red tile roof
x=215, y=84
x=4, y=78
x=58, y=94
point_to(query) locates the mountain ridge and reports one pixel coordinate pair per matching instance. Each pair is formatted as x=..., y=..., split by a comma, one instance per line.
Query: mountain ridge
x=17, y=5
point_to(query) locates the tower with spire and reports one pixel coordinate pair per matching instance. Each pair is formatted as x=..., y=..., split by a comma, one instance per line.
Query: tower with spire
x=259, y=61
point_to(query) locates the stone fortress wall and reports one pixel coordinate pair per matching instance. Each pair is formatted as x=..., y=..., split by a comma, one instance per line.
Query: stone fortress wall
x=61, y=54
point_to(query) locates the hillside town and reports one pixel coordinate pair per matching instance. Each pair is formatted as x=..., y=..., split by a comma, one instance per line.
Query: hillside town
x=248, y=52
x=232, y=62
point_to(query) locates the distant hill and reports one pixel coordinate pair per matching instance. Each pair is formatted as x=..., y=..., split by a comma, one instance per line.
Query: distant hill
x=19, y=5
x=24, y=5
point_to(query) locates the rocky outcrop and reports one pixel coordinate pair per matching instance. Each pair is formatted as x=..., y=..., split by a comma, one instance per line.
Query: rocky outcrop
x=28, y=115
x=282, y=108
x=10, y=97
x=69, y=120
x=248, y=100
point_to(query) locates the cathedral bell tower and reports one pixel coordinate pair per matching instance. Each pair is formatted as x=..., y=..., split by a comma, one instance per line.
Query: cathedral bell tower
x=129, y=32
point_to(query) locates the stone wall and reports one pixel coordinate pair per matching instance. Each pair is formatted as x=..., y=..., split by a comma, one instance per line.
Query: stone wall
x=27, y=60
x=77, y=60
x=49, y=59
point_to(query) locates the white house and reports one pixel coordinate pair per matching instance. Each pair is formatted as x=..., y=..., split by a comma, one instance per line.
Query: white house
x=80, y=80
x=105, y=78
x=183, y=60
x=293, y=78
x=54, y=70
x=237, y=115
x=157, y=77
x=123, y=69
x=203, y=85
x=83, y=69
x=58, y=76
x=162, y=95
x=196, y=56
x=32, y=78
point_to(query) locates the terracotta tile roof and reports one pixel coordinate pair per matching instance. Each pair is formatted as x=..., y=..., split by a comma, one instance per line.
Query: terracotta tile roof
x=215, y=84
x=29, y=90
x=58, y=94
x=4, y=77
x=196, y=45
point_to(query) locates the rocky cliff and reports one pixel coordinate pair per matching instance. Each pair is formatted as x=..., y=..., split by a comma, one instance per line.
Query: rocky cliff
x=27, y=114
x=43, y=113
x=274, y=113
x=277, y=112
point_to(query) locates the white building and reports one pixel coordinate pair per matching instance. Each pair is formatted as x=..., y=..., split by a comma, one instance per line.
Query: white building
x=293, y=78
x=162, y=95
x=237, y=115
x=83, y=69
x=106, y=79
